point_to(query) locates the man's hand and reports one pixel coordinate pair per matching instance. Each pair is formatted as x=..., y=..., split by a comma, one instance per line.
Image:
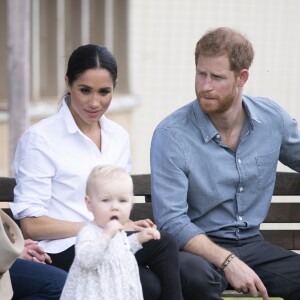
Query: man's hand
x=32, y=251
x=243, y=279
x=138, y=225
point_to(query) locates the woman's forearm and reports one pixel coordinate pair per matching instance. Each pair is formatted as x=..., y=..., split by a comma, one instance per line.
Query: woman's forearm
x=46, y=228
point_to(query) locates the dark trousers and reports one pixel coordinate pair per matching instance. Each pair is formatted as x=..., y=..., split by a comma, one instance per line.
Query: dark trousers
x=158, y=265
x=34, y=281
x=279, y=270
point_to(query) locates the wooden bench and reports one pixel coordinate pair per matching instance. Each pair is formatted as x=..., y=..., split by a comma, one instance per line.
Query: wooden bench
x=280, y=214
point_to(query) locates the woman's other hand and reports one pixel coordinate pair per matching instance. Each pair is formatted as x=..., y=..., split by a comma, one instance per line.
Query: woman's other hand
x=32, y=251
x=138, y=225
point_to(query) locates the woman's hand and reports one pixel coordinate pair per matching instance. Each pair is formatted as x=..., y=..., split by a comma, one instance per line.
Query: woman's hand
x=32, y=251
x=138, y=225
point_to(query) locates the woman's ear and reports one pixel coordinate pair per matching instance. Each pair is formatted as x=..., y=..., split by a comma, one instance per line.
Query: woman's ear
x=115, y=83
x=67, y=82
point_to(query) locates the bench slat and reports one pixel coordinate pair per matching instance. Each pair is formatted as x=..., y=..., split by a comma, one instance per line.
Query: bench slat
x=288, y=239
x=283, y=213
x=142, y=186
x=141, y=211
x=7, y=189
x=287, y=184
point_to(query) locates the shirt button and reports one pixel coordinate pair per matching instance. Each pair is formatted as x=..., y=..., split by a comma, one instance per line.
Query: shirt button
x=239, y=161
x=240, y=218
x=218, y=136
x=241, y=189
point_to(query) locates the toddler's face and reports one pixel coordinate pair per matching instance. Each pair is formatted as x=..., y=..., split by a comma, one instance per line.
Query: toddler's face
x=111, y=199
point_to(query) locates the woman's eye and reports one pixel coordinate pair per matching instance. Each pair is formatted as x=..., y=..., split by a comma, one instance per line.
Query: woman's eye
x=85, y=90
x=104, y=92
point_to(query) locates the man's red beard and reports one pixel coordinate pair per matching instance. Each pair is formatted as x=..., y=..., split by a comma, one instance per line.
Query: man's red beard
x=217, y=104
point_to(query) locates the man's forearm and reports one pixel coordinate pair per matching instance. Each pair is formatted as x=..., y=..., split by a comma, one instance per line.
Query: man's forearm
x=201, y=245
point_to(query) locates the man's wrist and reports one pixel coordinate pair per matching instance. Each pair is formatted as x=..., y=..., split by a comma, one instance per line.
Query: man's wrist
x=227, y=260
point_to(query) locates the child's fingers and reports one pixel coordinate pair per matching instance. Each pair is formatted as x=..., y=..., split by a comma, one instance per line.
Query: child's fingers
x=154, y=233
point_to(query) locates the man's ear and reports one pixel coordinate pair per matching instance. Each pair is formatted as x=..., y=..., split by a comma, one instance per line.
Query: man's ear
x=242, y=77
x=88, y=202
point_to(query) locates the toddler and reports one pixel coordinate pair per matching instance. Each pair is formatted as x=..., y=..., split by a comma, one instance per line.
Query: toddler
x=104, y=266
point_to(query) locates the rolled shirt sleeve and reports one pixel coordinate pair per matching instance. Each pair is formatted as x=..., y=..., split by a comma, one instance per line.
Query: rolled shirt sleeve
x=169, y=189
x=34, y=170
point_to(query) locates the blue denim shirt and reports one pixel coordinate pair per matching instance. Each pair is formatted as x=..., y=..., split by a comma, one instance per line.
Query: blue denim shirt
x=201, y=186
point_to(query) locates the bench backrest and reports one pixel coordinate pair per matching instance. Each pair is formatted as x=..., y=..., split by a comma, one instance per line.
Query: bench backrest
x=285, y=216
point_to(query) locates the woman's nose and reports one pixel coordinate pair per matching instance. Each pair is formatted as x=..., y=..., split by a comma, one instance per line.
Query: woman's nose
x=95, y=100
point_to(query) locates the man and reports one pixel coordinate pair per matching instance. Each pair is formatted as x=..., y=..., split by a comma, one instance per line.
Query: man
x=213, y=169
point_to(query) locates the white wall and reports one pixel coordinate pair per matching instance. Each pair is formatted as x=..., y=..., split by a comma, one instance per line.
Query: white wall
x=163, y=35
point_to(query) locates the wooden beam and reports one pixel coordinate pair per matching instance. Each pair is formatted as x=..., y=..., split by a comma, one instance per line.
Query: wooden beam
x=18, y=71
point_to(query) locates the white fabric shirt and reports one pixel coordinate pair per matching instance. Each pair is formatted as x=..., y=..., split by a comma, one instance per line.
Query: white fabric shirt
x=52, y=162
x=103, y=269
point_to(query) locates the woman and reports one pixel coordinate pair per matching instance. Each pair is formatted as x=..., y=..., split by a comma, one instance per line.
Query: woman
x=55, y=156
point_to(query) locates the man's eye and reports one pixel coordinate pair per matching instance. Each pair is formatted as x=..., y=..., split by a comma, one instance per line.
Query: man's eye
x=216, y=77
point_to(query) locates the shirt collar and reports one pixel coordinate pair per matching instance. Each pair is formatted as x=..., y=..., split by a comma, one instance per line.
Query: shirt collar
x=250, y=110
x=71, y=124
x=67, y=116
x=206, y=126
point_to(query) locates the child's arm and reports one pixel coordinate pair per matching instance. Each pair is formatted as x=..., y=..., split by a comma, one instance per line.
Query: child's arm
x=137, y=239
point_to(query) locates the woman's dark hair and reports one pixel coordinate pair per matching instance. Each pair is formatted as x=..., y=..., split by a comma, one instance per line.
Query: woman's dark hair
x=89, y=57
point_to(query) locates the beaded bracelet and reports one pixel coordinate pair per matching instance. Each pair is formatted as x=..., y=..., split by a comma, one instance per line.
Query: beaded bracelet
x=227, y=261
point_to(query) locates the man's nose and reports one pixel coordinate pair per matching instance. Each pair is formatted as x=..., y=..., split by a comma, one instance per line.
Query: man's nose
x=207, y=84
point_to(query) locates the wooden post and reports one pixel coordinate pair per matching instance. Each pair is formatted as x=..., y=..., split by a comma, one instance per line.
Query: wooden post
x=18, y=13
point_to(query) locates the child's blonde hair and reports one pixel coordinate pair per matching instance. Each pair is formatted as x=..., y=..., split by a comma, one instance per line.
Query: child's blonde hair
x=106, y=172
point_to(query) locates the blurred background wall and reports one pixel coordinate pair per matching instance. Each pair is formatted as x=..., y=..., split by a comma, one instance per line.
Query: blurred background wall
x=154, y=43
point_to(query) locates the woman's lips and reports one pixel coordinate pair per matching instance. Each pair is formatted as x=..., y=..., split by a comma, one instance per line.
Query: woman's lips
x=92, y=114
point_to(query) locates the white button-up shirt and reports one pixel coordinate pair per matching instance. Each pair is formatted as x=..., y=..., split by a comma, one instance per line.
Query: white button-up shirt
x=52, y=162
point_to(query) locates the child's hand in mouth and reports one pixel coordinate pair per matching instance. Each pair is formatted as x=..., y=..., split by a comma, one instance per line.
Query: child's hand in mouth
x=112, y=227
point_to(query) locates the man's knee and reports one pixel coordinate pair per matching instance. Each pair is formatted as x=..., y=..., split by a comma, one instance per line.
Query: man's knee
x=199, y=277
